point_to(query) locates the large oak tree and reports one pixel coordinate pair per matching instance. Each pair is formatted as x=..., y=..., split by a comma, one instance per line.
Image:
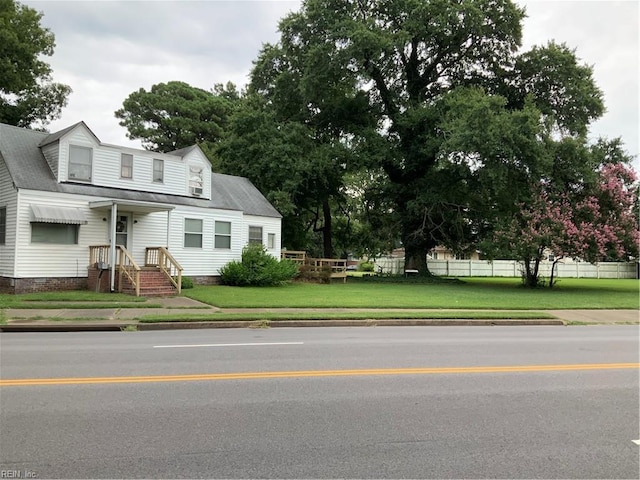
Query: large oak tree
x=28, y=96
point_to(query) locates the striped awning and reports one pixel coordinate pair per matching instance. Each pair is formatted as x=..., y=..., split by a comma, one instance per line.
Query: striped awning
x=51, y=214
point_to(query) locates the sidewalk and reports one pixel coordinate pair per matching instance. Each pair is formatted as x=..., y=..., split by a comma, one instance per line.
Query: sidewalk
x=64, y=319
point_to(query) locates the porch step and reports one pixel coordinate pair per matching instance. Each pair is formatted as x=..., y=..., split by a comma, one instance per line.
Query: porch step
x=153, y=283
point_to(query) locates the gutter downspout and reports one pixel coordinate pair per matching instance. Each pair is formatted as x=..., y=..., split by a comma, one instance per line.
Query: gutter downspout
x=114, y=215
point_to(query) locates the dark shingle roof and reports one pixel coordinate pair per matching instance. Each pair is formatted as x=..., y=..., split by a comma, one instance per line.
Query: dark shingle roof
x=29, y=170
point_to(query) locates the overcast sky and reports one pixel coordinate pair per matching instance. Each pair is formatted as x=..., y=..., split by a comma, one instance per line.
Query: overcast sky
x=107, y=49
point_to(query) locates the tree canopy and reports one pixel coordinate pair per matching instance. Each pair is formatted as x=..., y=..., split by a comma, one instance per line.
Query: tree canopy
x=28, y=97
x=175, y=115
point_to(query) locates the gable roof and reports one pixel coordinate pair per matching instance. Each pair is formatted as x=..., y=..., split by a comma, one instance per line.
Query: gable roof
x=52, y=137
x=20, y=150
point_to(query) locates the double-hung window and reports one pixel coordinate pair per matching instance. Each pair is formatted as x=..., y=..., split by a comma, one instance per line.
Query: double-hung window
x=80, y=161
x=192, y=233
x=222, y=235
x=255, y=235
x=271, y=240
x=158, y=170
x=126, y=165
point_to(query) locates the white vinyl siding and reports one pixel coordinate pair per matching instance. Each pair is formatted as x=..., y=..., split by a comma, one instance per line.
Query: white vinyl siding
x=80, y=163
x=51, y=153
x=106, y=168
x=192, y=233
x=222, y=235
x=8, y=201
x=269, y=225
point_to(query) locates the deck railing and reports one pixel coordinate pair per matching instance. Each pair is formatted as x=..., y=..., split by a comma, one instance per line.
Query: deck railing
x=296, y=256
x=337, y=266
x=100, y=257
x=161, y=258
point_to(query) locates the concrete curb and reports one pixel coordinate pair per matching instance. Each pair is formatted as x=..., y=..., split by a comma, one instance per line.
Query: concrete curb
x=111, y=327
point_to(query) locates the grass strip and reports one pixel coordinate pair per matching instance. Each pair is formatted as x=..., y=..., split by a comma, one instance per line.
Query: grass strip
x=453, y=315
x=82, y=306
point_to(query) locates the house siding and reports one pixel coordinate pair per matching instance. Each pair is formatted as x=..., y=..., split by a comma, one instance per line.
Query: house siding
x=8, y=199
x=106, y=166
x=269, y=225
x=52, y=155
x=53, y=260
x=205, y=261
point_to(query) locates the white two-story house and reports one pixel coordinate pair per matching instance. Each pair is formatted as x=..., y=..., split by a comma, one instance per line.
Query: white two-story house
x=77, y=213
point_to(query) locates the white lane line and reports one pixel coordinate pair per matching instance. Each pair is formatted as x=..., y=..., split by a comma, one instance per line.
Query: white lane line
x=229, y=345
x=637, y=442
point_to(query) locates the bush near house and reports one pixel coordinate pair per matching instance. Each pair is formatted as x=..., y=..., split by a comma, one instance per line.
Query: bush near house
x=258, y=269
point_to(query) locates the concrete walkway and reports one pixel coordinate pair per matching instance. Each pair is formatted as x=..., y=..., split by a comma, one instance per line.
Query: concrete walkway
x=117, y=318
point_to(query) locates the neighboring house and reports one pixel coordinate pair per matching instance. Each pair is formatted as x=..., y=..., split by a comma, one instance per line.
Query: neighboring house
x=68, y=202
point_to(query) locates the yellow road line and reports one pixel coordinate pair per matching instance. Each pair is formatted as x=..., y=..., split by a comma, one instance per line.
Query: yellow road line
x=315, y=373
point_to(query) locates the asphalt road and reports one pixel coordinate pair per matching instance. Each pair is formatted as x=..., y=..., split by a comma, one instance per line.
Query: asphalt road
x=410, y=402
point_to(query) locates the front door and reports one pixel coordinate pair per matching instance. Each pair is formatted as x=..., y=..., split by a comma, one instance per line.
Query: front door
x=123, y=230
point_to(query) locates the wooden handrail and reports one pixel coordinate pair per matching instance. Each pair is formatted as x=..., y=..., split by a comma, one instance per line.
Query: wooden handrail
x=161, y=258
x=128, y=266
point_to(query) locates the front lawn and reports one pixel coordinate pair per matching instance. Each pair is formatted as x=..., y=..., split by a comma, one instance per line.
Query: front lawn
x=472, y=293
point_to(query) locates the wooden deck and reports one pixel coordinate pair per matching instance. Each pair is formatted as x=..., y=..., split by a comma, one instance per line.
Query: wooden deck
x=337, y=266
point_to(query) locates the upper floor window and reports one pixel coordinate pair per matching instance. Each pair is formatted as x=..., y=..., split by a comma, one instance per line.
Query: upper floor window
x=80, y=160
x=3, y=225
x=196, y=181
x=158, y=170
x=222, y=235
x=126, y=165
x=192, y=232
x=255, y=235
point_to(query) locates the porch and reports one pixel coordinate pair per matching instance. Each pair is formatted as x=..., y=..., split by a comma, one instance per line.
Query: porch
x=161, y=274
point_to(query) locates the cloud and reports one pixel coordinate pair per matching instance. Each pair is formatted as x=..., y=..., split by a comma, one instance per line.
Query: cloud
x=108, y=49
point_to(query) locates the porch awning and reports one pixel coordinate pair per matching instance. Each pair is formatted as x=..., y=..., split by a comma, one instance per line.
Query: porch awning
x=131, y=206
x=51, y=214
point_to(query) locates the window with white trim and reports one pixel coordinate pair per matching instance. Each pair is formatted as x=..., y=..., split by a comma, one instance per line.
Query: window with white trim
x=192, y=233
x=80, y=162
x=126, y=165
x=271, y=240
x=158, y=170
x=255, y=235
x=196, y=182
x=222, y=237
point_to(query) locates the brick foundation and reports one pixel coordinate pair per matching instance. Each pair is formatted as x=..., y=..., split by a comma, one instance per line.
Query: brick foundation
x=46, y=284
x=205, y=279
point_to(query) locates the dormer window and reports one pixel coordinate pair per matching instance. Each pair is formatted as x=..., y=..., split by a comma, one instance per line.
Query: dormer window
x=126, y=165
x=196, y=181
x=158, y=170
x=80, y=161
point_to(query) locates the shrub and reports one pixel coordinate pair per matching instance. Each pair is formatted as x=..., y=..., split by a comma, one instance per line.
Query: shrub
x=257, y=268
x=366, y=267
x=186, y=282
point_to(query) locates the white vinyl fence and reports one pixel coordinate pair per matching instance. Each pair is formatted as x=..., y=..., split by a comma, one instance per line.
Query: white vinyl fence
x=513, y=268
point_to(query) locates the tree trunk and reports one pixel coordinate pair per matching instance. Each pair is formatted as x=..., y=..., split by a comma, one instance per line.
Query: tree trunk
x=327, y=244
x=552, y=280
x=415, y=258
x=530, y=279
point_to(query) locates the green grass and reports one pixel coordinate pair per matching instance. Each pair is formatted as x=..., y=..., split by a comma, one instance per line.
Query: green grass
x=380, y=315
x=472, y=293
x=72, y=299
